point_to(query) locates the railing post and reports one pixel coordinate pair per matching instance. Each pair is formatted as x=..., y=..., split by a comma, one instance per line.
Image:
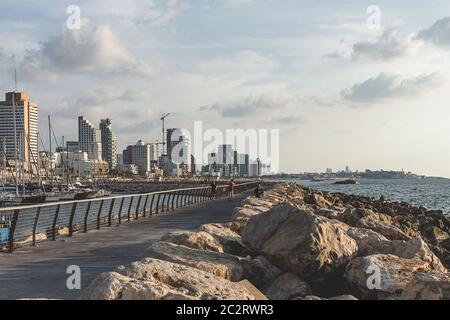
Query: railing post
x=179, y=196
x=144, y=214
x=111, y=207
x=129, y=209
x=86, y=217
x=191, y=197
x=99, y=213
x=55, y=220
x=12, y=230
x=185, y=198
x=120, y=210
x=137, y=207
x=157, y=203
x=36, y=219
x=151, y=204
x=163, y=202
x=173, y=200
x=72, y=215
x=168, y=201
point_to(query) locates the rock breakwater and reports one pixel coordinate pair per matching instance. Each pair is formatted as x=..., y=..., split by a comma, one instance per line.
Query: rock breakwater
x=296, y=243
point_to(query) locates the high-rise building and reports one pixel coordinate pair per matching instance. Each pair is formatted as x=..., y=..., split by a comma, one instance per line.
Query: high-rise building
x=179, y=148
x=141, y=155
x=25, y=118
x=226, y=159
x=109, y=143
x=73, y=146
x=90, y=139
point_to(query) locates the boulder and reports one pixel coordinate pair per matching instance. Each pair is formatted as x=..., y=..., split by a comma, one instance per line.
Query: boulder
x=107, y=286
x=287, y=286
x=378, y=222
x=257, y=202
x=219, y=264
x=434, y=234
x=195, y=240
x=380, y=276
x=318, y=200
x=428, y=286
x=241, y=216
x=371, y=243
x=259, y=271
x=152, y=279
x=230, y=241
x=297, y=240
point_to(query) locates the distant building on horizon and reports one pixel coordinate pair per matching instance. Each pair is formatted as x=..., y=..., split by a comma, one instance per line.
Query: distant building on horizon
x=90, y=139
x=27, y=126
x=109, y=143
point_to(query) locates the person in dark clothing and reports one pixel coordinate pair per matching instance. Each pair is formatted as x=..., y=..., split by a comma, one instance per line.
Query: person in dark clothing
x=213, y=189
x=231, y=186
x=259, y=193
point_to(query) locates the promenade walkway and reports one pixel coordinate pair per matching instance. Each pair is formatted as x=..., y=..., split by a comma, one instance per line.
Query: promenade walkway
x=40, y=272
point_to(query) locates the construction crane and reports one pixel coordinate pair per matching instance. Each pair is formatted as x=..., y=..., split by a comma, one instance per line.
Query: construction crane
x=163, y=118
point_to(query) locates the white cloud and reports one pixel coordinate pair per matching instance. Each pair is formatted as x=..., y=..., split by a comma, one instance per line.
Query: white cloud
x=88, y=50
x=386, y=47
x=238, y=3
x=242, y=66
x=438, y=33
x=157, y=13
x=253, y=106
x=386, y=86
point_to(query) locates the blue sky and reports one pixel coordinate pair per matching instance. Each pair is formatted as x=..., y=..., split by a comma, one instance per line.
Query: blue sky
x=341, y=93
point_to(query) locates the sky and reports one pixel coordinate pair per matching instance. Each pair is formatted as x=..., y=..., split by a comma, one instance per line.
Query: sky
x=345, y=86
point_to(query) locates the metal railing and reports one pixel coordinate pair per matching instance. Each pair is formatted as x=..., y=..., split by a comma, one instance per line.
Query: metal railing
x=28, y=225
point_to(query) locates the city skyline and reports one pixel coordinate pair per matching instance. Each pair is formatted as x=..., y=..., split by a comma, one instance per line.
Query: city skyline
x=132, y=62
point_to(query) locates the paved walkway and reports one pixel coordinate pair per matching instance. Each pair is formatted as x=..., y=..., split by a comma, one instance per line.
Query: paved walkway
x=40, y=272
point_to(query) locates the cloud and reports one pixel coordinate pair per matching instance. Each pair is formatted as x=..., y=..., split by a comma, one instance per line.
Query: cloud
x=386, y=86
x=438, y=33
x=244, y=66
x=237, y=3
x=251, y=106
x=289, y=120
x=88, y=50
x=387, y=46
x=158, y=14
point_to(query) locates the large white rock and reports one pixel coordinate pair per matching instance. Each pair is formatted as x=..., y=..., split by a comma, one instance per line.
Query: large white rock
x=428, y=286
x=287, y=286
x=195, y=240
x=219, y=264
x=231, y=241
x=383, y=275
x=378, y=222
x=153, y=279
x=299, y=241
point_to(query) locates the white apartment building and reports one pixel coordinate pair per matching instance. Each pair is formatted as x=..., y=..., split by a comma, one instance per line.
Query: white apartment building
x=109, y=143
x=90, y=139
x=26, y=128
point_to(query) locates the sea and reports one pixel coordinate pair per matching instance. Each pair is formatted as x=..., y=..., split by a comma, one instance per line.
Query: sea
x=432, y=193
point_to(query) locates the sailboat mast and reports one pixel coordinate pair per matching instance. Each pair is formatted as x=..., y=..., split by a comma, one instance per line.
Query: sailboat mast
x=16, y=156
x=50, y=149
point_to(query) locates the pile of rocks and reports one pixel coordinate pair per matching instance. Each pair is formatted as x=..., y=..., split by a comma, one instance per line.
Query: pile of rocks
x=296, y=244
